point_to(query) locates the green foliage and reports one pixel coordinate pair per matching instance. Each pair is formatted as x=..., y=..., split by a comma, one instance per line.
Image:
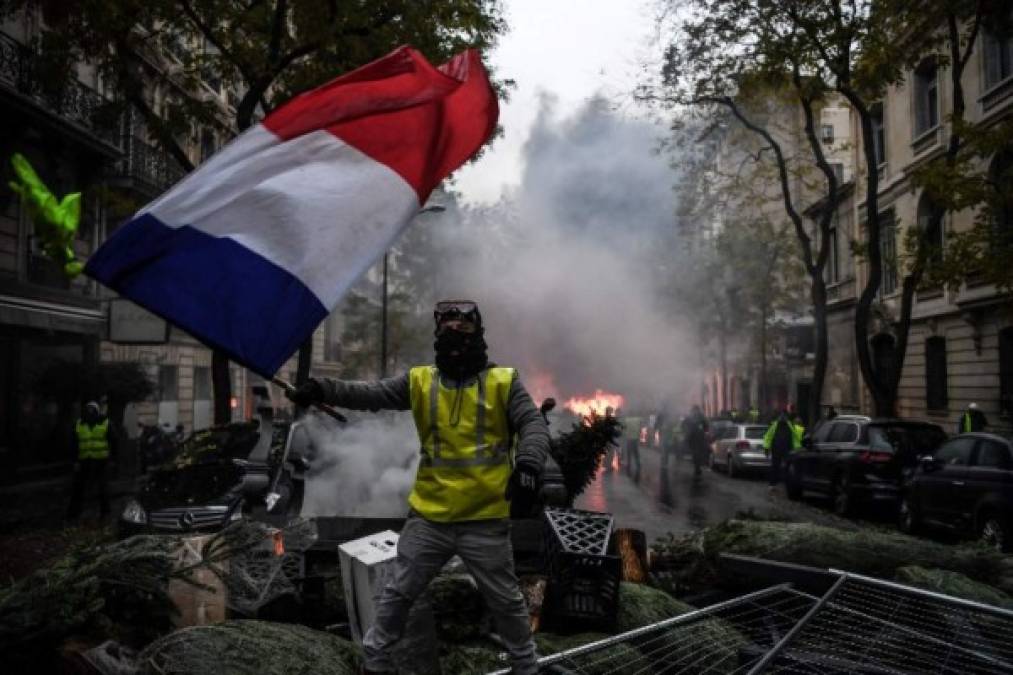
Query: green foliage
x=259, y=647
x=579, y=452
x=953, y=583
x=263, y=53
x=691, y=561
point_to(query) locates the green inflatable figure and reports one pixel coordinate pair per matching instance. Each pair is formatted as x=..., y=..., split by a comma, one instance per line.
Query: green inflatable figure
x=55, y=221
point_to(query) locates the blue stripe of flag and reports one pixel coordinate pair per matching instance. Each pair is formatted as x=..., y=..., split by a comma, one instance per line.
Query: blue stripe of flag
x=214, y=288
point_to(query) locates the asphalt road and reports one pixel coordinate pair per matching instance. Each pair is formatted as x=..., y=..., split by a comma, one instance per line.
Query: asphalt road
x=673, y=500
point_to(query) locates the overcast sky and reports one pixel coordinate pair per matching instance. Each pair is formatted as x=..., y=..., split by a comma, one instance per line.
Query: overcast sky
x=570, y=49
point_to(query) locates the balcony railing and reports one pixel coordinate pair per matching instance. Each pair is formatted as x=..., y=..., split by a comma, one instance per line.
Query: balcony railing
x=68, y=98
x=152, y=169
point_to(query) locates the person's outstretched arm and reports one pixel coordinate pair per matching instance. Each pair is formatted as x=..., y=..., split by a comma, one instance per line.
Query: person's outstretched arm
x=392, y=393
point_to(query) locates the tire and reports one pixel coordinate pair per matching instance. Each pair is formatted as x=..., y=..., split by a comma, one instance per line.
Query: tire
x=908, y=519
x=730, y=466
x=842, y=498
x=994, y=531
x=792, y=482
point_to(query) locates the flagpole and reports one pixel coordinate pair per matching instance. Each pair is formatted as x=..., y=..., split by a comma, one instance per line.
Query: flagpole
x=288, y=386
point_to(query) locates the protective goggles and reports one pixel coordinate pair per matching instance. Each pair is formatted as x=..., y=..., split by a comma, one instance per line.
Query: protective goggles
x=461, y=310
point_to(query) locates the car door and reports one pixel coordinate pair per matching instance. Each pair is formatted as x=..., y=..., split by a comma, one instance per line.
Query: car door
x=841, y=440
x=938, y=487
x=806, y=459
x=987, y=477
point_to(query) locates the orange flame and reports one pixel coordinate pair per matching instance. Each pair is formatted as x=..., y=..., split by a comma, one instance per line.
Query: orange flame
x=596, y=404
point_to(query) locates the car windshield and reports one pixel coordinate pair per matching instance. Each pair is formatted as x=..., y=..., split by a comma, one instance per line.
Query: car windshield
x=908, y=441
x=755, y=433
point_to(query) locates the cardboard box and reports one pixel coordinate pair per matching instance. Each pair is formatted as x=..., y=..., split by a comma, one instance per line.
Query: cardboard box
x=366, y=564
x=197, y=606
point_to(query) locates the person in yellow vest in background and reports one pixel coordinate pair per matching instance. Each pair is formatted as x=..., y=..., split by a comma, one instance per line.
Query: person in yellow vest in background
x=784, y=435
x=471, y=477
x=972, y=420
x=93, y=444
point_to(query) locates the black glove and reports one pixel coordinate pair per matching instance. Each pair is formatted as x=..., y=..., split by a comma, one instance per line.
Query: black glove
x=522, y=490
x=306, y=394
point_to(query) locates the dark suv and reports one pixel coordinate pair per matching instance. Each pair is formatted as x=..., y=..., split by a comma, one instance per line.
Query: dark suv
x=966, y=486
x=854, y=459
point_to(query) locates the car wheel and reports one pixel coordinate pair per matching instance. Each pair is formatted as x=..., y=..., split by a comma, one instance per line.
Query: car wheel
x=843, y=499
x=732, y=471
x=792, y=482
x=909, y=521
x=994, y=532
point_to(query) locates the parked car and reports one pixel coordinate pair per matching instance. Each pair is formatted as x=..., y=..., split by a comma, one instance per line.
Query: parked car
x=857, y=460
x=221, y=474
x=965, y=486
x=738, y=448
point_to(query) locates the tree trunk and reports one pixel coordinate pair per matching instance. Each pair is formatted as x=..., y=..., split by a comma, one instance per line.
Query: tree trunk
x=912, y=281
x=761, y=393
x=819, y=297
x=883, y=404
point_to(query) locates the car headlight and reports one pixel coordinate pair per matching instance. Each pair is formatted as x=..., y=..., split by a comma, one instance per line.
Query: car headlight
x=133, y=512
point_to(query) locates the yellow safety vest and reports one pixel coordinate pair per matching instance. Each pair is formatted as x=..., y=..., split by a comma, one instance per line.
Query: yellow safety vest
x=93, y=442
x=465, y=439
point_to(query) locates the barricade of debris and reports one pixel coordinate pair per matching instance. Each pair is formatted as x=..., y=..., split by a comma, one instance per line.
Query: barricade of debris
x=726, y=599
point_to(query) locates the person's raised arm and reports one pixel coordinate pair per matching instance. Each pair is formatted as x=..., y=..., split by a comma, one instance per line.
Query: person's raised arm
x=393, y=393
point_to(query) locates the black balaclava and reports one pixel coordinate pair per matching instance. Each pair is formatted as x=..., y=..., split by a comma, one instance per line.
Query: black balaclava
x=461, y=355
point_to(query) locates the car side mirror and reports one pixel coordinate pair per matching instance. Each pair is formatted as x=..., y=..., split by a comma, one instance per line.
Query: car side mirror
x=928, y=463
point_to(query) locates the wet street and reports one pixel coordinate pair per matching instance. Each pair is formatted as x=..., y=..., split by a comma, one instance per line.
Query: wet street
x=674, y=500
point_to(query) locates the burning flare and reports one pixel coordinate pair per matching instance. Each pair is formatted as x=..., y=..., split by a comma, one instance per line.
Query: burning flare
x=596, y=404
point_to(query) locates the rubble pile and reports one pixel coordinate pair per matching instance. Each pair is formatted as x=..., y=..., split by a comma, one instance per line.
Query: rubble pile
x=688, y=563
x=132, y=591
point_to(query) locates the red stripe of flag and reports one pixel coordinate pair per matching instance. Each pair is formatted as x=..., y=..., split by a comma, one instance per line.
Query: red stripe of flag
x=422, y=122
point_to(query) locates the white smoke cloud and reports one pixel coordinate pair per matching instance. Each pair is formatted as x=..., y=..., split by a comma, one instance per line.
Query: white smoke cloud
x=363, y=469
x=571, y=269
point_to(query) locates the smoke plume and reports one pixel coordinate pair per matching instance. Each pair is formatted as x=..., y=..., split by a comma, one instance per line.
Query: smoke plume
x=571, y=271
x=365, y=469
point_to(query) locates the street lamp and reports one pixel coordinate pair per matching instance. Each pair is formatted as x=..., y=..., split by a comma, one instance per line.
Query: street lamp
x=435, y=208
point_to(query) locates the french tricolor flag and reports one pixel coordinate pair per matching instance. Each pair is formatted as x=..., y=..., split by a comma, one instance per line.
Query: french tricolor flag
x=252, y=250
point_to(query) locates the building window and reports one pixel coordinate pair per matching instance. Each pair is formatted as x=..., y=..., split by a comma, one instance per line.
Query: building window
x=1006, y=371
x=827, y=133
x=930, y=223
x=998, y=55
x=888, y=251
x=202, y=383
x=926, y=92
x=1001, y=174
x=168, y=383
x=878, y=133
x=936, y=395
x=833, y=262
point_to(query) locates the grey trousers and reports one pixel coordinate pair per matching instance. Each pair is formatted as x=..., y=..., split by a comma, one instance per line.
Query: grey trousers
x=422, y=550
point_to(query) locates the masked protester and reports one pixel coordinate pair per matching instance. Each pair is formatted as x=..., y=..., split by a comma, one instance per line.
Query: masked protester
x=467, y=412
x=92, y=445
